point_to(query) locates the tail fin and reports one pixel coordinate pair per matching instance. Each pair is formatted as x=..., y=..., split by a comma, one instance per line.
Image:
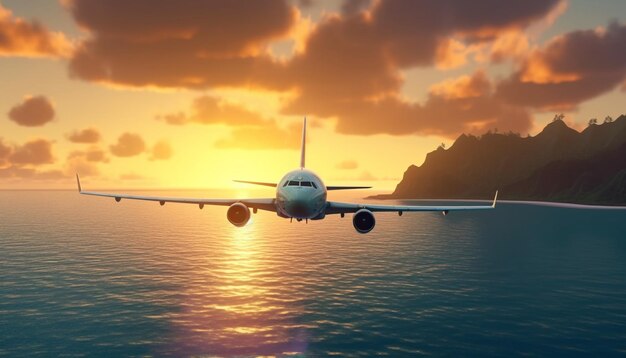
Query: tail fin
x=303, y=150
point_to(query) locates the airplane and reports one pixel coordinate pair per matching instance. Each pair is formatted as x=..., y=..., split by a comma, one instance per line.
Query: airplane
x=300, y=195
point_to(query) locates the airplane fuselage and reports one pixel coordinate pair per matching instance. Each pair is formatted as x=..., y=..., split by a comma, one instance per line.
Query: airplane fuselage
x=301, y=194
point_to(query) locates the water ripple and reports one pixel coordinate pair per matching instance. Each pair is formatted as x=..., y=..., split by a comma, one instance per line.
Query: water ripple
x=83, y=276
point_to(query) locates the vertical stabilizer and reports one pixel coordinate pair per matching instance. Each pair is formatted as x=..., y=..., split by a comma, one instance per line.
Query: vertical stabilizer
x=303, y=150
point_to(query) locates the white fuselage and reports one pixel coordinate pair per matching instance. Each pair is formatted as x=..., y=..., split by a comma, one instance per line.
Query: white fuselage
x=301, y=194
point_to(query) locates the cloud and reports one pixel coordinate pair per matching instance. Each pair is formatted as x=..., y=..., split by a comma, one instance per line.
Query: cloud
x=366, y=176
x=161, y=151
x=23, y=161
x=88, y=135
x=210, y=110
x=185, y=43
x=249, y=129
x=35, y=152
x=349, y=67
x=347, y=165
x=16, y=172
x=452, y=107
x=128, y=145
x=5, y=152
x=85, y=162
x=267, y=136
x=351, y=7
x=82, y=166
x=476, y=85
x=32, y=112
x=93, y=154
x=570, y=69
x=29, y=39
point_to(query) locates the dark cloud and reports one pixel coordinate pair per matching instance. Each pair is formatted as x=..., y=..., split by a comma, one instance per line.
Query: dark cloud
x=209, y=110
x=350, y=67
x=162, y=150
x=351, y=7
x=88, y=135
x=128, y=145
x=306, y=3
x=32, y=112
x=179, y=43
x=30, y=39
x=35, y=152
x=466, y=105
x=571, y=68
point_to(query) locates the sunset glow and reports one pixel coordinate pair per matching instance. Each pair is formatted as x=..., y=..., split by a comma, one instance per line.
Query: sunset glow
x=198, y=96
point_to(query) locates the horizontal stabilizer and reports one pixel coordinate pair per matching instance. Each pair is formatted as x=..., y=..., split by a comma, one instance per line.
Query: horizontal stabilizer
x=335, y=187
x=256, y=183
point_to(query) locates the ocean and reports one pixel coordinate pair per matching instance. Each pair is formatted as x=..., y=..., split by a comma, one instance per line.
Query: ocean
x=85, y=276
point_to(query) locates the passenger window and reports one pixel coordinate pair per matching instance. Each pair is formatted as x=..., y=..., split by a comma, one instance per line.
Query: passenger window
x=305, y=183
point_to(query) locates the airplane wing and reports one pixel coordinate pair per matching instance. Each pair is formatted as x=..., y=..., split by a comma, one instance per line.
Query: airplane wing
x=343, y=208
x=261, y=204
x=338, y=187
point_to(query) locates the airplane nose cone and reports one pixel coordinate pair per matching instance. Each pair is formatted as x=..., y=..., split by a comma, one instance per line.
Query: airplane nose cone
x=298, y=205
x=298, y=209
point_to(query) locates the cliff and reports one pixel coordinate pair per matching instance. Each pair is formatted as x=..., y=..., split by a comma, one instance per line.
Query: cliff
x=558, y=164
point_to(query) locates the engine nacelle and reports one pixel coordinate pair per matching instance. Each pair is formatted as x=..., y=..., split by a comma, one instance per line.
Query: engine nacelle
x=238, y=214
x=363, y=221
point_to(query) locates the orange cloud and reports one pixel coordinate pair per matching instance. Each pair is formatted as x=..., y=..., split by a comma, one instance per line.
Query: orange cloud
x=128, y=145
x=347, y=165
x=82, y=166
x=88, y=135
x=21, y=161
x=183, y=43
x=162, y=150
x=93, y=154
x=570, y=69
x=210, y=110
x=29, y=39
x=32, y=112
x=35, y=152
x=463, y=87
x=5, y=151
x=348, y=63
x=512, y=44
x=266, y=136
x=19, y=173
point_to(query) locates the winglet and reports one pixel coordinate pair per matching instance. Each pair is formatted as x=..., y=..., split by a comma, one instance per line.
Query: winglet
x=80, y=190
x=303, y=150
x=495, y=199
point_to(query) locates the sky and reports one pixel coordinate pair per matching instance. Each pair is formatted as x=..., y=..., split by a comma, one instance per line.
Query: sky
x=193, y=94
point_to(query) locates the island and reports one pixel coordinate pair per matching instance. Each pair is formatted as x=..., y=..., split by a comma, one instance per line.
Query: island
x=560, y=164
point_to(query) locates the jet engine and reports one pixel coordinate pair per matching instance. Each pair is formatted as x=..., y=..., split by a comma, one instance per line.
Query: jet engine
x=363, y=221
x=238, y=214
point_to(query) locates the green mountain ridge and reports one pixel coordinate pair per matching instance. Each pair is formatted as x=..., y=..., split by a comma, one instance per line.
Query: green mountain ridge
x=558, y=164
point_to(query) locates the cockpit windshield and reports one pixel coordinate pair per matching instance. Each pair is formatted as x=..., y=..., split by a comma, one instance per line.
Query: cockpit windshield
x=300, y=183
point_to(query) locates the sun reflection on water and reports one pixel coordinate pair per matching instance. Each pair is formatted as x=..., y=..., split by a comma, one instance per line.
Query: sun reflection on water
x=233, y=307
